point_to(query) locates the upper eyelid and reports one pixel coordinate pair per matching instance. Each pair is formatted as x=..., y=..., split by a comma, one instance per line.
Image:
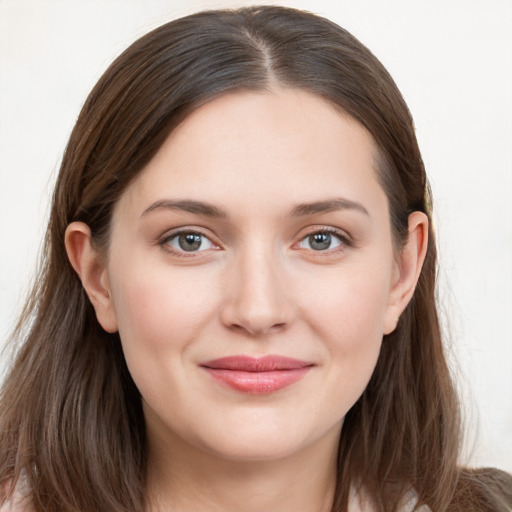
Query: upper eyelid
x=341, y=233
x=173, y=232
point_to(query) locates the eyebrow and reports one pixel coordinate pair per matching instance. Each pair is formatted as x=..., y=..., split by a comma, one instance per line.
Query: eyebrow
x=187, y=205
x=300, y=210
x=327, y=206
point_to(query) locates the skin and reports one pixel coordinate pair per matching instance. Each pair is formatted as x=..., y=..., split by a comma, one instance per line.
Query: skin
x=258, y=284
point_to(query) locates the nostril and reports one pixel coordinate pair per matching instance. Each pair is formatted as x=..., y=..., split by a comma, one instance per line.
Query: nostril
x=238, y=328
x=254, y=330
x=279, y=327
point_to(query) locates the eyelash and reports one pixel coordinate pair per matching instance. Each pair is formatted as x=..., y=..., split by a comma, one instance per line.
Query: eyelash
x=165, y=243
x=343, y=238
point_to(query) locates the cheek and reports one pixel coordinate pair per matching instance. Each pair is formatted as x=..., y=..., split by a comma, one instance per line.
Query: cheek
x=348, y=318
x=159, y=311
x=160, y=314
x=350, y=308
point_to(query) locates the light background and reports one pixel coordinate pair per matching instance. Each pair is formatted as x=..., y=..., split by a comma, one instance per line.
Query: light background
x=452, y=60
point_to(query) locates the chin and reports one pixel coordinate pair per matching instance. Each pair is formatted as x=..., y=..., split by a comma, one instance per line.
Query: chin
x=265, y=441
x=256, y=449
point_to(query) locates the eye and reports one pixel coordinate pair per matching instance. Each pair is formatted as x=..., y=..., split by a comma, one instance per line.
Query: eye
x=323, y=240
x=188, y=241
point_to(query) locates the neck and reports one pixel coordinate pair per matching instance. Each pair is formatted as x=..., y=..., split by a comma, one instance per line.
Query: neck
x=189, y=479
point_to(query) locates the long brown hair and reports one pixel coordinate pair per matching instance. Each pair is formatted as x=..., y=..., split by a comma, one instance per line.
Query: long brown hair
x=71, y=419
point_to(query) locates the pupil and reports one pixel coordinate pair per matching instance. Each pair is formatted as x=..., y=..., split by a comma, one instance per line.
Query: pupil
x=320, y=241
x=190, y=242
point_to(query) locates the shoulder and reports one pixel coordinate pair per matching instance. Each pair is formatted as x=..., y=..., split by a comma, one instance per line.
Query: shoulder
x=19, y=501
x=484, y=489
x=15, y=506
x=410, y=501
x=359, y=502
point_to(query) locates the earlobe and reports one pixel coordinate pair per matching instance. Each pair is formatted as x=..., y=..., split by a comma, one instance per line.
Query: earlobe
x=88, y=264
x=409, y=264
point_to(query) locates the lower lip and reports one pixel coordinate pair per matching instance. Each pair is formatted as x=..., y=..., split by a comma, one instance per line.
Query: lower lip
x=258, y=383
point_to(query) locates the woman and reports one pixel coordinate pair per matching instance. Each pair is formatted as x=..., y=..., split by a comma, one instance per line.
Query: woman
x=236, y=309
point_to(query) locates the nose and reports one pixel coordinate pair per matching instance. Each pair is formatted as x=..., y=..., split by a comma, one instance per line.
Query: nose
x=258, y=300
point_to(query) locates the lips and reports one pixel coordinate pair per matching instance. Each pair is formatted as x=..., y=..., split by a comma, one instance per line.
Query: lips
x=257, y=375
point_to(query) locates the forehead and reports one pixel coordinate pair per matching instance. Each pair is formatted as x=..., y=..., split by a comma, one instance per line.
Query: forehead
x=285, y=145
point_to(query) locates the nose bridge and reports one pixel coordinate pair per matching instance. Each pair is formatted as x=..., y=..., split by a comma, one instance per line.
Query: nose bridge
x=258, y=301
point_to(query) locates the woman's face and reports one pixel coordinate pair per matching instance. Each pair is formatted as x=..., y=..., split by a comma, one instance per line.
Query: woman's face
x=252, y=275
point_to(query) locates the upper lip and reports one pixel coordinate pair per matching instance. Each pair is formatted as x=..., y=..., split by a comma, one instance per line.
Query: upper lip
x=256, y=364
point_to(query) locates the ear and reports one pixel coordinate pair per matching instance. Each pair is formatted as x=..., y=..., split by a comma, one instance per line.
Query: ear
x=408, y=268
x=91, y=270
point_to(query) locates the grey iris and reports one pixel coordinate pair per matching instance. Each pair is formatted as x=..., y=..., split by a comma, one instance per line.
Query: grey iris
x=190, y=241
x=320, y=241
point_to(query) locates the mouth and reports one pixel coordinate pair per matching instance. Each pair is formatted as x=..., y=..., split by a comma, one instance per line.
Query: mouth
x=257, y=375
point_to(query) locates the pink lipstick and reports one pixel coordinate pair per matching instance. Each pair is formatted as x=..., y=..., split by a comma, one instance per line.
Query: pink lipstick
x=257, y=375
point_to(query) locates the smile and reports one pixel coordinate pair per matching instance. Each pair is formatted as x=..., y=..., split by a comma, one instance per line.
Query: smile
x=257, y=375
